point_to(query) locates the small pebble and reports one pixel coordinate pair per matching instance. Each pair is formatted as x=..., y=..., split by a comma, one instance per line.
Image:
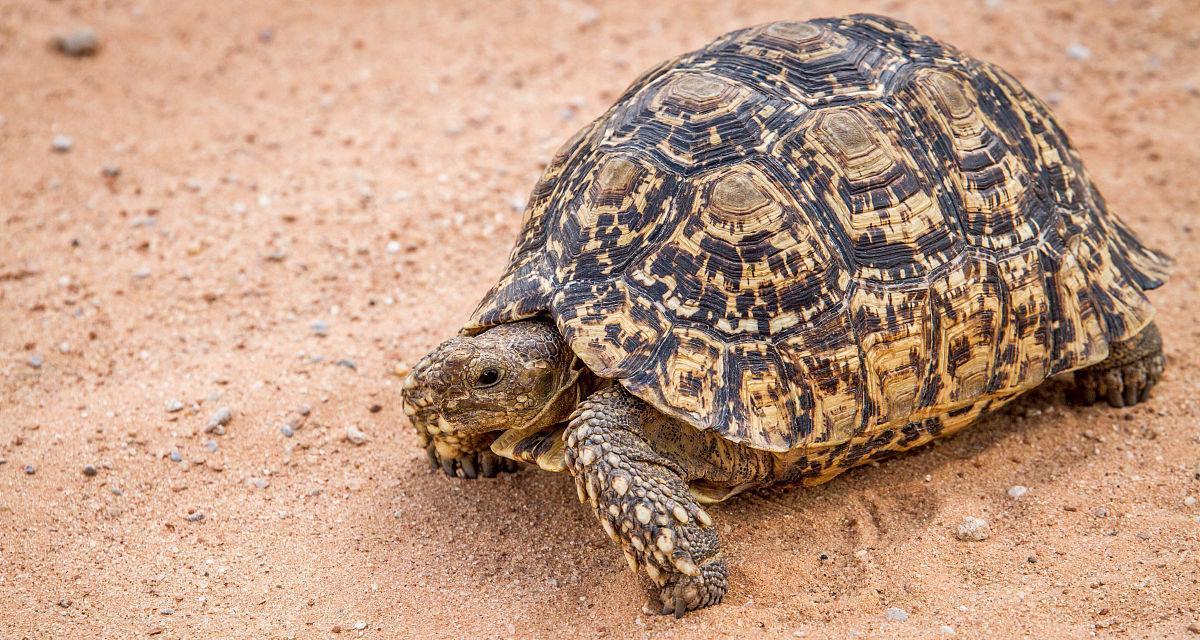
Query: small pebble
x=947, y=629
x=195, y=516
x=175, y=456
x=36, y=361
x=1189, y=501
x=216, y=423
x=360, y=625
x=973, y=529
x=62, y=143
x=211, y=445
x=355, y=436
x=260, y=483
x=896, y=613
x=110, y=171
x=304, y=410
x=1078, y=52
x=287, y=431
x=1194, y=627
x=116, y=491
x=1016, y=491
x=375, y=408
x=173, y=405
x=320, y=328
x=79, y=43
x=30, y=470
x=89, y=470
x=167, y=612
x=1100, y=512
x=393, y=247
x=348, y=363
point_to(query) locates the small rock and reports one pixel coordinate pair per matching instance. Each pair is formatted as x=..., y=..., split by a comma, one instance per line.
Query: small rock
x=64, y=603
x=896, y=613
x=393, y=247
x=79, y=43
x=195, y=516
x=1078, y=51
x=348, y=363
x=1016, y=491
x=30, y=469
x=172, y=405
x=36, y=361
x=116, y=491
x=89, y=470
x=261, y=483
x=1194, y=628
x=216, y=423
x=337, y=628
x=287, y=430
x=360, y=625
x=304, y=410
x=62, y=143
x=355, y=436
x=375, y=408
x=175, y=456
x=973, y=529
x=167, y=612
x=1189, y=501
x=947, y=630
x=1100, y=512
x=211, y=445
x=320, y=328
x=110, y=171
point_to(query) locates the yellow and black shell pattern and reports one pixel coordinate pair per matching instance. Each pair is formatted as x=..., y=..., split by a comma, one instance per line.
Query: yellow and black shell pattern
x=806, y=233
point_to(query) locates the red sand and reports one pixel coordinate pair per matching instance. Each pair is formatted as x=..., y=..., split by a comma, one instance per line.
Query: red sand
x=261, y=183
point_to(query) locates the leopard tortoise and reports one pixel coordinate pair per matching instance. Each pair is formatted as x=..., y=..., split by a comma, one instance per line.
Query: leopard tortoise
x=796, y=250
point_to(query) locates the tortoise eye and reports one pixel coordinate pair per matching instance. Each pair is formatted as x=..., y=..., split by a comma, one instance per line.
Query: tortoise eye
x=487, y=378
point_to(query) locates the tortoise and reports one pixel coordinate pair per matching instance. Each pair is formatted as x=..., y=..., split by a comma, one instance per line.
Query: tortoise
x=798, y=249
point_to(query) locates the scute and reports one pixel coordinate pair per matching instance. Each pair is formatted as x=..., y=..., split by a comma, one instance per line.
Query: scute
x=826, y=235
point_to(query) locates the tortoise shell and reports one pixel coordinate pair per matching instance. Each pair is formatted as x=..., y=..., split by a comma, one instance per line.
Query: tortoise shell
x=807, y=232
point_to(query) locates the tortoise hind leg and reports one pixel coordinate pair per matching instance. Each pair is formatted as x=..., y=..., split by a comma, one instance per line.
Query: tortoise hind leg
x=643, y=503
x=1125, y=378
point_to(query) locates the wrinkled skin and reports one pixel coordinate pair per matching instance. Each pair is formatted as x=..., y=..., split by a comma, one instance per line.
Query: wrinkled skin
x=461, y=395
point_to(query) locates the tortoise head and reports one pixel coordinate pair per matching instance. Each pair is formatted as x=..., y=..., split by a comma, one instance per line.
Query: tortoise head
x=471, y=387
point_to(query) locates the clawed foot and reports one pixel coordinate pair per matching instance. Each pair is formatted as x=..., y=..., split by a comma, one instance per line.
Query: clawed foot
x=470, y=465
x=643, y=504
x=1121, y=386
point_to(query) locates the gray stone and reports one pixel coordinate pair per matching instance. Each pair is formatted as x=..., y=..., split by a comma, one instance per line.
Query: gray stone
x=172, y=405
x=89, y=470
x=973, y=529
x=896, y=613
x=320, y=328
x=36, y=361
x=78, y=43
x=62, y=143
x=218, y=420
x=355, y=436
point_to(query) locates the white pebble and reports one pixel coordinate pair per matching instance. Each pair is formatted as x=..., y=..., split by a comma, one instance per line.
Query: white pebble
x=1016, y=491
x=947, y=629
x=1190, y=501
x=62, y=143
x=973, y=529
x=355, y=436
x=897, y=614
x=393, y=247
x=1078, y=51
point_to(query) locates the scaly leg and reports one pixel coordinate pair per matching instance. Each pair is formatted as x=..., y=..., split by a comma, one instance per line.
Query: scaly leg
x=1124, y=378
x=642, y=501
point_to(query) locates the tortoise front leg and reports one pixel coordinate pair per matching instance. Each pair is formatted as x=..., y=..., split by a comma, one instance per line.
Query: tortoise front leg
x=643, y=503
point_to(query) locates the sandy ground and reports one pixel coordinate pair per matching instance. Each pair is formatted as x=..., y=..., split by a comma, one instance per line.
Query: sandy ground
x=360, y=165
